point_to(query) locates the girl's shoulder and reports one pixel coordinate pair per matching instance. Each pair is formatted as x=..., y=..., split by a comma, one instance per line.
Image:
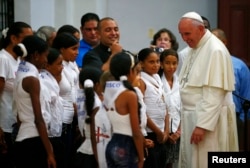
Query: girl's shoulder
x=127, y=96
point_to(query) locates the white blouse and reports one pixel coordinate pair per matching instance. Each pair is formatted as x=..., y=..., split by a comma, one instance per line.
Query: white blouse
x=52, y=108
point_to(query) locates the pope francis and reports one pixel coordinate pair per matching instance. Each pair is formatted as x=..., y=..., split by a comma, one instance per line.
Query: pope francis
x=208, y=121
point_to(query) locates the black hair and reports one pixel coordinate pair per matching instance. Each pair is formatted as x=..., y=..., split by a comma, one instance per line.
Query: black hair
x=53, y=55
x=166, y=53
x=94, y=75
x=175, y=44
x=120, y=65
x=88, y=17
x=208, y=23
x=32, y=44
x=144, y=53
x=67, y=29
x=64, y=40
x=15, y=29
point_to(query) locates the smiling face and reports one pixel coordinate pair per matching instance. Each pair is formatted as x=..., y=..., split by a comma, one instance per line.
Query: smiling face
x=109, y=32
x=164, y=41
x=169, y=65
x=151, y=63
x=191, y=31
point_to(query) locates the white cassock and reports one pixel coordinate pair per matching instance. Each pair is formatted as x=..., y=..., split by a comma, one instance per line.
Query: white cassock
x=207, y=82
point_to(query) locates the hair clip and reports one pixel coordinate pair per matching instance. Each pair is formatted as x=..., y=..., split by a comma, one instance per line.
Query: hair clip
x=88, y=83
x=123, y=78
x=4, y=32
x=23, y=48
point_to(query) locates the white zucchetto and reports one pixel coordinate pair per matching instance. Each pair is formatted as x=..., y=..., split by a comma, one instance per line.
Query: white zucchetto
x=193, y=15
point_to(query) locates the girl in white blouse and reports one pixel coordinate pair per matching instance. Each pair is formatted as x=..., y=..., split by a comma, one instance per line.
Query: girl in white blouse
x=52, y=104
x=68, y=45
x=169, y=63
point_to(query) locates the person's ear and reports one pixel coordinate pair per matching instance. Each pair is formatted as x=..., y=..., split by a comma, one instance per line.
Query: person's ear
x=62, y=50
x=13, y=39
x=34, y=58
x=142, y=66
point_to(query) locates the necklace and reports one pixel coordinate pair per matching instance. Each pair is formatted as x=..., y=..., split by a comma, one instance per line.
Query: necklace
x=192, y=55
x=191, y=59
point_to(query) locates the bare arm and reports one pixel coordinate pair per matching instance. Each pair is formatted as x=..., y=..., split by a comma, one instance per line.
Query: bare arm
x=142, y=86
x=150, y=123
x=32, y=86
x=92, y=133
x=166, y=129
x=155, y=129
x=2, y=83
x=175, y=136
x=134, y=119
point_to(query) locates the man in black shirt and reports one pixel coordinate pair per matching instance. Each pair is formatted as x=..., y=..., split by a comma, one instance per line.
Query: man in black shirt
x=100, y=56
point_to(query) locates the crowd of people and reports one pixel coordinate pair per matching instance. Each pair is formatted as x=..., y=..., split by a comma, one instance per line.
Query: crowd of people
x=72, y=102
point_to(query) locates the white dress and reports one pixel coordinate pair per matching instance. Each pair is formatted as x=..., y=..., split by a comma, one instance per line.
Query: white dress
x=207, y=81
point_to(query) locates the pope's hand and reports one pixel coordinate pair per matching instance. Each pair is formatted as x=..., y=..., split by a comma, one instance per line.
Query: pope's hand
x=197, y=135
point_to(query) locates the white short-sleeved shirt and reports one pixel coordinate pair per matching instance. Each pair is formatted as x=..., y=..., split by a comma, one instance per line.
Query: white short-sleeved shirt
x=69, y=86
x=8, y=68
x=23, y=101
x=71, y=71
x=65, y=93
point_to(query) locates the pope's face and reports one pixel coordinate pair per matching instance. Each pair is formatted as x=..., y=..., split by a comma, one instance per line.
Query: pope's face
x=190, y=31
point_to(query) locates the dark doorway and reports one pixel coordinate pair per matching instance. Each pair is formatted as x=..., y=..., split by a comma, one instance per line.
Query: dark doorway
x=6, y=13
x=234, y=19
